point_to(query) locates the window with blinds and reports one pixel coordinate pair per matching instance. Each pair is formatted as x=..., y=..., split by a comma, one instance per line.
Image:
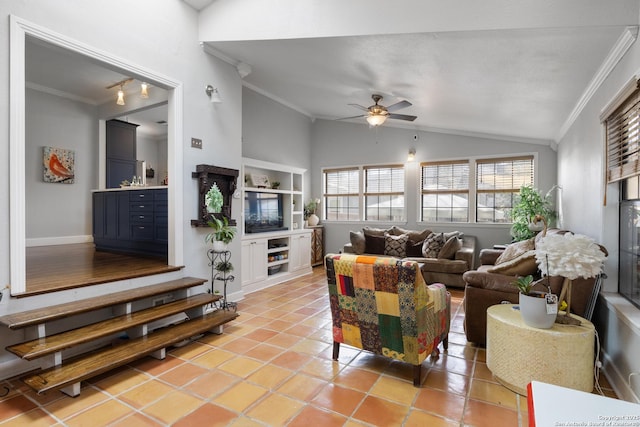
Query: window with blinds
x=623, y=148
x=498, y=182
x=384, y=193
x=342, y=194
x=445, y=191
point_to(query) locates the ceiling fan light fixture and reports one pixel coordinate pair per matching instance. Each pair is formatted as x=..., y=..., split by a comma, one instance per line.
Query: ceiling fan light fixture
x=376, y=119
x=144, y=90
x=120, y=100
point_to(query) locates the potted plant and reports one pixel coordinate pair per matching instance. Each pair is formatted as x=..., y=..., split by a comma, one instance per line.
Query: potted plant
x=530, y=203
x=310, y=212
x=224, y=266
x=533, y=304
x=222, y=235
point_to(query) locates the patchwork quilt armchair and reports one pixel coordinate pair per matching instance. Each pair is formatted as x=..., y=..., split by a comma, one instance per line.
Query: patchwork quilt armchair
x=383, y=305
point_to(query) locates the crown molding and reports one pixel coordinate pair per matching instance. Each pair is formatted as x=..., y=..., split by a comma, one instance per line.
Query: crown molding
x=626, y=40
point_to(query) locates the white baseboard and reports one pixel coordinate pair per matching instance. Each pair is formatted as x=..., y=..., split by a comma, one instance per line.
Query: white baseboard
x=617, y=380
x=64, y=240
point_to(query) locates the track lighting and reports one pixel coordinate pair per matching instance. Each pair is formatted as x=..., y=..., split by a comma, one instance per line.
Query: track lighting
x=120, y=100
x=213, y=94
x=121, y=83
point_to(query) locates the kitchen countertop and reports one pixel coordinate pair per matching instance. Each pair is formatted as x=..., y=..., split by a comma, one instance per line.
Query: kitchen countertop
x=149, y=187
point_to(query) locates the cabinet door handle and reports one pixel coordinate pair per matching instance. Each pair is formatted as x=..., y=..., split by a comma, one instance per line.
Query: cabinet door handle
x=141, y=228
x=141, y=206
x=141, y=216
x=141, y=196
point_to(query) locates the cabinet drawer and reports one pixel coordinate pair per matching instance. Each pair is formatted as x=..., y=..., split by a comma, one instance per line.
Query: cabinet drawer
x=140, y=195
x=142, y=232
x=141, y=218
x=141, y=206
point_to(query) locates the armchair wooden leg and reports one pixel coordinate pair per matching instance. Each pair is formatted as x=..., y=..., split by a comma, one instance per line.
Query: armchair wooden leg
x=336, y=350
x=445, y=343
x=416, y=375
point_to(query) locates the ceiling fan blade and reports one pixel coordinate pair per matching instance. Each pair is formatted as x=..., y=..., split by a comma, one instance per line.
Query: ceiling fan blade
x=402, y=117
x=359, y=107
x=352, y=117
x=399, y=105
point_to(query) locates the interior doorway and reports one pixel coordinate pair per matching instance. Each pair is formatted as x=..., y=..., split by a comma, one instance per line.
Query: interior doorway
x=22, y=32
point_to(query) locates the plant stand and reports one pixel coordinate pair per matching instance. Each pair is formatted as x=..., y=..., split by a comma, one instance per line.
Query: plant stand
x=220, y=276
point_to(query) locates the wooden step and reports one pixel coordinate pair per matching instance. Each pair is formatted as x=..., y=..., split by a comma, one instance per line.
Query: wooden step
x=54, y=312
x=43, y=346
x=95, y=363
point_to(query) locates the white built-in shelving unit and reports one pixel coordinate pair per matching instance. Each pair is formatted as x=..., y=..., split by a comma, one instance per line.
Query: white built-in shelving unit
x=272, y=257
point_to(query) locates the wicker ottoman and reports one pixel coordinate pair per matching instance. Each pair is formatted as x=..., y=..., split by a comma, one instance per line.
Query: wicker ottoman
x=518, y=354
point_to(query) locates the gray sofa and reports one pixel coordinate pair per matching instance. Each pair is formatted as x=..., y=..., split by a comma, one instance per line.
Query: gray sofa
x=440, y=267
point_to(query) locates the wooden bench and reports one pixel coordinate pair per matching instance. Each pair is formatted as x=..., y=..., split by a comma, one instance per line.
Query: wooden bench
x=68, y=374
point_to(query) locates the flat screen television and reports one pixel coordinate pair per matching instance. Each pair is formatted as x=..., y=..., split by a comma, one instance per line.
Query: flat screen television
x=262, y=212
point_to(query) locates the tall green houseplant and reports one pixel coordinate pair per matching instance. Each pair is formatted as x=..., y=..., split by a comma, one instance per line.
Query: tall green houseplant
x=529, y=203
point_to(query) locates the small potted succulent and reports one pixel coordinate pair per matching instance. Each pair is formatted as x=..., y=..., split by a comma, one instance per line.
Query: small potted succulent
x=533, y=304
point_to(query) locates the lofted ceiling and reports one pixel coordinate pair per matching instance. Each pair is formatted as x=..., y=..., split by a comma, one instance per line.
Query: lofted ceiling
x=513, y=77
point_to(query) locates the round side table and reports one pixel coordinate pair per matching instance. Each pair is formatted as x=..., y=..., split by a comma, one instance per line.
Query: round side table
x=518, y=354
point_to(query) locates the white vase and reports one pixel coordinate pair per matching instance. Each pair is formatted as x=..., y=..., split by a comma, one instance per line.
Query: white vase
x=219, y=246
x=313, y=220
x=534, y=312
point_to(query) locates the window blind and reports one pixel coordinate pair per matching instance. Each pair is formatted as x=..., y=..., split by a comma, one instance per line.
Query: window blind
x=498, y=182
x=384, y=193
x=623, y=146
x=445, y=191
x=342, y=194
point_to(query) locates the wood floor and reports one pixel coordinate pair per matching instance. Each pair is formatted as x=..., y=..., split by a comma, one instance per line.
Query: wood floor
x=54, y=268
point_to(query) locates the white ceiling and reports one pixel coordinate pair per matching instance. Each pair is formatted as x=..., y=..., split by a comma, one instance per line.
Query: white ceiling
x=522, y=82
x=63, y=73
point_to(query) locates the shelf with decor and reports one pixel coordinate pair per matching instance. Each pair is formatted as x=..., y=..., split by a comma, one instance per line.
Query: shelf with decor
x=274, y=240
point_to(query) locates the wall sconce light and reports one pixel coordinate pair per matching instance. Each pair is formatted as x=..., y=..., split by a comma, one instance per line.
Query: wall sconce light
x=144, y=90
x=213, y=94
x=412, y=155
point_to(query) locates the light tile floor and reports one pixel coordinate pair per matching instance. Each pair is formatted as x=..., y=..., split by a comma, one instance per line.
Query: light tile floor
x=272, y=367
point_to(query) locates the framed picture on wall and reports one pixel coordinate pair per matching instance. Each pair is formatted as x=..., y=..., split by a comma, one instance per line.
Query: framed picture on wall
x=259, y=181
x=59, y=165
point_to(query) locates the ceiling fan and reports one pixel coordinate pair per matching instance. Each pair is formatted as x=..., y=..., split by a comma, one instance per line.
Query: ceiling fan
x=377, y=114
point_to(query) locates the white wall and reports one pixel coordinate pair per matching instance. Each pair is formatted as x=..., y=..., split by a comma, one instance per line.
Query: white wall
x=162, y=39
x=581, y=175
x=337, y=143
x=52, y=209
x=275, y=133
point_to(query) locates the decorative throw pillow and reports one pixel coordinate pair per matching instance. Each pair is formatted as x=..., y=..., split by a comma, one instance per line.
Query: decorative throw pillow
x=370, y=231
x=450, y=234
x=395, y=245
x=358, y=243
x=514, y=250
x=414, y=249
x=414, y=236
x=523, y=265
x=451, y=246
x=432, y=245
x=374, y=244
